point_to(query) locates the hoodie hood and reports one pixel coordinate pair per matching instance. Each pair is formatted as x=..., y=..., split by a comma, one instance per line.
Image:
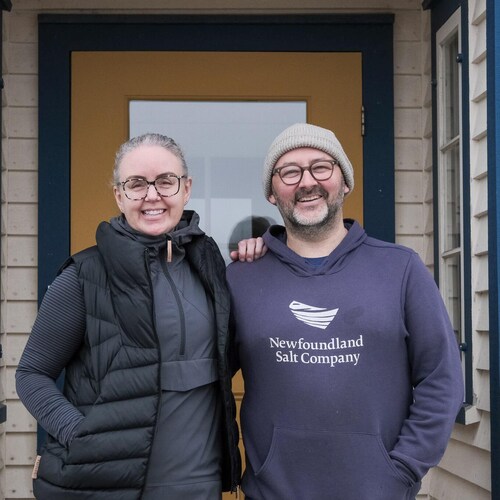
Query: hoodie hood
x=275, y=239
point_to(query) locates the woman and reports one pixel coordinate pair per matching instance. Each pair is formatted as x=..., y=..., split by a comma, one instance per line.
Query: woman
x=139, y=323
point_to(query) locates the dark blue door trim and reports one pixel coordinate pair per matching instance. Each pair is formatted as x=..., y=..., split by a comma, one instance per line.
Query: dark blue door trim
x=493, y=85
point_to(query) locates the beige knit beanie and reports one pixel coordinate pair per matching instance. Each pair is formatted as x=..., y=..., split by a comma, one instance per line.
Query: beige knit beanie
x=305, y=135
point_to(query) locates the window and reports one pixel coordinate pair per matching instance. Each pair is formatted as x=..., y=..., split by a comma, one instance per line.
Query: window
x=450, y=174
x=224, y=143
x=452, y=190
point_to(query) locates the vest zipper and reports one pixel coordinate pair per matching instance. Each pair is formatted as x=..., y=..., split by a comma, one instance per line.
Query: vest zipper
x=182, y=318
x=158, y=413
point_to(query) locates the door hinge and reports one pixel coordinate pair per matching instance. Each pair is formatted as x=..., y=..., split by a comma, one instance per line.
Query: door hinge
x=362, y=121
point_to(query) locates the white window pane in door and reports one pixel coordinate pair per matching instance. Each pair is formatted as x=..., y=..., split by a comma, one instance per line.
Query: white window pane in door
x=225, y=143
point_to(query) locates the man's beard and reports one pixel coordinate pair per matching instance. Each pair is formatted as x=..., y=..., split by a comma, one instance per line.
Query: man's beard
x=321, y=218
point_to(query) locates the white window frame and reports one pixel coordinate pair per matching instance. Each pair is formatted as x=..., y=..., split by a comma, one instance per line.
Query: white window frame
x=451, y=29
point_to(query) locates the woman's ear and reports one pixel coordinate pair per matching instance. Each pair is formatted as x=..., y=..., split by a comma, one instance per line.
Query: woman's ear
x=188, y=183
x=118, y=197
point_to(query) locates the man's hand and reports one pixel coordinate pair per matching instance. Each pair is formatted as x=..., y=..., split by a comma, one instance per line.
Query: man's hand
x=249, y=250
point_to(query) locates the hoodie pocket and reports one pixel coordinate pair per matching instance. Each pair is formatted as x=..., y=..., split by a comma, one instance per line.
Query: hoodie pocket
x=306, y=464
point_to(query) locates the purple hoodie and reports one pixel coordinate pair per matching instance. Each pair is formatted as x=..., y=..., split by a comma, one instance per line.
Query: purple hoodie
x=352, y=371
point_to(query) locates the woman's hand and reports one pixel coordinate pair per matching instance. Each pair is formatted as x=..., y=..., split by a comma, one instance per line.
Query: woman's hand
x=249, y=250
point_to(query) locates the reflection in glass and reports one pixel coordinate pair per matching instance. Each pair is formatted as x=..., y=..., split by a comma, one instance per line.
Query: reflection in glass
x=225, y=143
x=450, y=178
x=451, y=89
x=452, y=198
x=452, y=288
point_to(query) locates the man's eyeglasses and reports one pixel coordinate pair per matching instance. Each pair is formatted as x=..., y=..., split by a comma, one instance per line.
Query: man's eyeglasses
x=136, y=188
x=320, y=170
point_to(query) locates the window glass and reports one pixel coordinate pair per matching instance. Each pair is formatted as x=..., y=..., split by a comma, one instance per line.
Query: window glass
x=450, y=172
x=452, y=294
x=225, y=144
x=451, y=87
x=451, y=160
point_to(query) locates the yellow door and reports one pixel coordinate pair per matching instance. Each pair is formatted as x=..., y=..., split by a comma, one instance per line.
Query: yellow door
x=103, y=84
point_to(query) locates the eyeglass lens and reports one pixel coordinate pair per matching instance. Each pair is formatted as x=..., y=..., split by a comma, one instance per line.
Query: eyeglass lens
x=292, y=174
x=137, y=188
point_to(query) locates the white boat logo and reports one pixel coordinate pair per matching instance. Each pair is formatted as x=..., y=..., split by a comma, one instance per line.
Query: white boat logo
x=318, y=317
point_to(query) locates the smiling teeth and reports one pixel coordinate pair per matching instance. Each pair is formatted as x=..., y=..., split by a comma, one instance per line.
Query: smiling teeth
x=153, y=212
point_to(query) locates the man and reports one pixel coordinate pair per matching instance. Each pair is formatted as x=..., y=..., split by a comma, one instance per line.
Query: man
x=351, y=368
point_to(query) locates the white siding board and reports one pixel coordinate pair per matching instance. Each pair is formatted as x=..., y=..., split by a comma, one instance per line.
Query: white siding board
x=18, y=482
x=480, y=281
x=10, y=383
x=20, y=58
x=19, y=419
x=409, y=219
x=427, y=155
x=22, y=219
x=4, y=189
x=480, y=197
x=482, y=312
x=478, y=11
x=428, y=221
x=20, y=154
x=428, y=190
x=480, y=242
x=407, y=26
x=21, y=28
x=407, y=91
x=22, y=186
x=478, y=42
x=427, y=93
x=476, y=435
x=482, y=385
x=408, y=187
x=407, y=154
x=21, y=251
x=427, y=121
x=446, y=486
x=467, y=462
x=482, y=347
x=14, y=347
x=19, y=316
x=407, y=58
x=478, y=117
x=478, y=81
x=21, y=122
x=479, y=158
x=407, y=123
x=21, y=283
x=20, y=449
x=20, y=90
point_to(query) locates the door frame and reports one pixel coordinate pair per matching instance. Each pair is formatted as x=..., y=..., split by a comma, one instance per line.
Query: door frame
x=60, y=35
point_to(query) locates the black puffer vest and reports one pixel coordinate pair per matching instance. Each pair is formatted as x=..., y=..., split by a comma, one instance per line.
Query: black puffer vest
x=114, y=379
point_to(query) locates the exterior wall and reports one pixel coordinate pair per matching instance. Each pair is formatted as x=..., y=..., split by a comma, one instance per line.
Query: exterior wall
x=464, y=472
x=413, y=169
x=468, y=455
